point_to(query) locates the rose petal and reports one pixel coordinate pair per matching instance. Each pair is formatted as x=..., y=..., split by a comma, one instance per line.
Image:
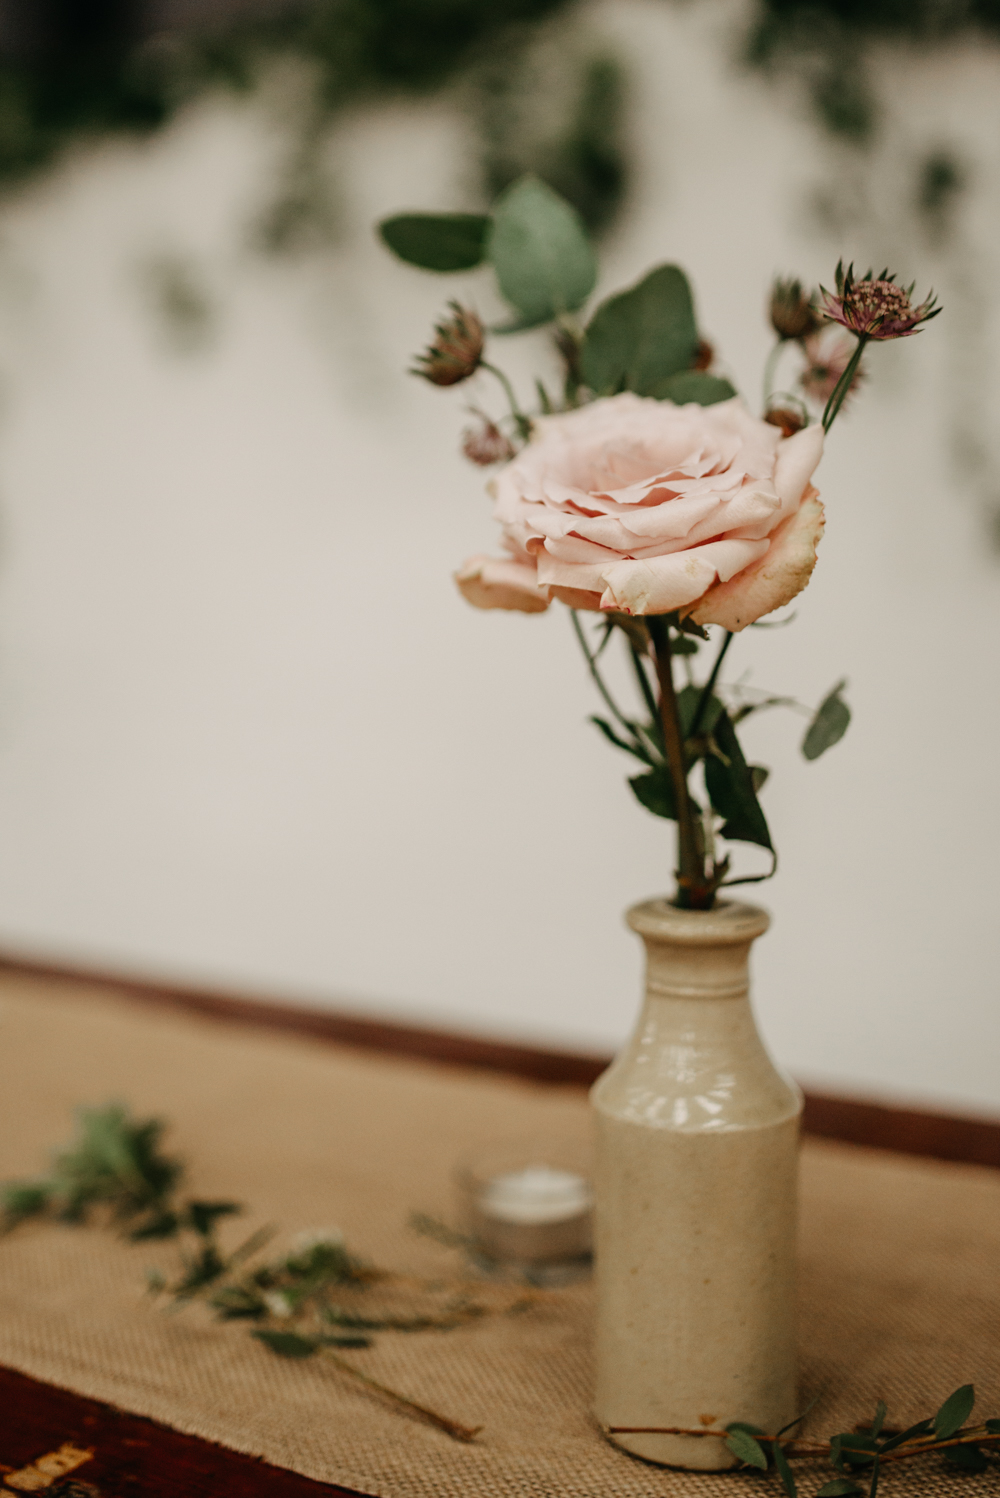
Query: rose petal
x=797, y=461
x=490, y=583
x=773, y=581
x=662, y=584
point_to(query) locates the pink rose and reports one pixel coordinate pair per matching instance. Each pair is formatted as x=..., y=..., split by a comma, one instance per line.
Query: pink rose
x=643, y=507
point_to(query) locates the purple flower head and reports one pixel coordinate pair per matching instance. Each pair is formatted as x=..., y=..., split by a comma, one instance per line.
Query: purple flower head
x=874, y=306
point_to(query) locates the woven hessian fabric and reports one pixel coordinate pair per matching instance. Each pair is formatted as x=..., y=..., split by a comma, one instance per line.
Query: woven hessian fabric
x=900, y=1265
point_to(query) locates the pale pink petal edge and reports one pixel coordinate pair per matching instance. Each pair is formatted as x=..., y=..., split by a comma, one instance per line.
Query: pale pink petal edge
x=775, y=580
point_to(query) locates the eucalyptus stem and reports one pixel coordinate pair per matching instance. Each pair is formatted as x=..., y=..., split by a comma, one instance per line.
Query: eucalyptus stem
x=843, y=385
x=522, y=422
x=450, y=1427
x=922, y=1446
x=693, y=891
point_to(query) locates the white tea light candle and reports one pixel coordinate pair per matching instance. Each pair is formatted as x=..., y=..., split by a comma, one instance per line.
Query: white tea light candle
x=528, y=1213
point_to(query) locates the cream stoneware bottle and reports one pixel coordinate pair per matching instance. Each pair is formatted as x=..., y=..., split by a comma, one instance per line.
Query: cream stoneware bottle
x=695, y=1184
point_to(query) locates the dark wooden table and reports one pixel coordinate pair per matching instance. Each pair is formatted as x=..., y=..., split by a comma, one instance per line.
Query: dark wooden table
x=132, y=1457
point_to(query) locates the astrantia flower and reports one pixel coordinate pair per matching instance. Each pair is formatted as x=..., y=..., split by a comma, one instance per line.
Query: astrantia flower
x=875, y=307
x=631, y=505
x=793, y=314
x=486, y=444
x=456, y=352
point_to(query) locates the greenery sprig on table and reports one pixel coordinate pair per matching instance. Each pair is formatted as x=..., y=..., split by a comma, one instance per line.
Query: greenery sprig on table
x=639, y=488
x=862, y=1451
x=301, y=1304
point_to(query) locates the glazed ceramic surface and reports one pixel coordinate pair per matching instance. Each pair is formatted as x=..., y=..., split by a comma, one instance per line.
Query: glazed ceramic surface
x=697, y=1142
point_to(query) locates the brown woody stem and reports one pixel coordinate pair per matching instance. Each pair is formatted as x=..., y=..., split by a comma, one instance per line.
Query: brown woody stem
x=921, y=1446
x=694, y=891
x=450, y=1427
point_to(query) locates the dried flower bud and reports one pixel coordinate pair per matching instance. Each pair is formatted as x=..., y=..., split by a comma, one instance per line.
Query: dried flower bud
x=486, y=444
x=827, y=356
x=703, y=355
x=789, y=421
x=875, y=307
x=793, y=313
x=457, y=350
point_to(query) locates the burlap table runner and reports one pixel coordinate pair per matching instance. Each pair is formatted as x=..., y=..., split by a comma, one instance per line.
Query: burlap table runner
x=900, y=1292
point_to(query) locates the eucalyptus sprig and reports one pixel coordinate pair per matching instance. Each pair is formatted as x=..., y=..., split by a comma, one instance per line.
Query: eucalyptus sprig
x=860, y=1452
x=115, y=1173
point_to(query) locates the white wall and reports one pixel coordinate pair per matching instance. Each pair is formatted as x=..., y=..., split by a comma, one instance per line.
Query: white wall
x=250, y=736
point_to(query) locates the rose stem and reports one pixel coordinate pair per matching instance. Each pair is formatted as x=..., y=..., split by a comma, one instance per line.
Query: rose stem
x=706, y=693
x=450, y=1427
x=843, y=385
x=692, y=891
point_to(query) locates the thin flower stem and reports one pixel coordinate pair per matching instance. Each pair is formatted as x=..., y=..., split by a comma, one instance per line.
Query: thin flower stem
x=644, y=687
x=693, y=892
x=843, y=385
x=709, y=686
x=613, y=707
x=450, y=1427
x=771, y=368
x=523, y=422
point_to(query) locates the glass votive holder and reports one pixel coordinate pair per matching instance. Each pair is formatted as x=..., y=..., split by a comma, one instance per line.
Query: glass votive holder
x=528, y=1203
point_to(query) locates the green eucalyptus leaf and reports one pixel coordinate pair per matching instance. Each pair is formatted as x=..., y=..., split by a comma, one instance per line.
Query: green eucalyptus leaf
x=742, y=1444
x=921, y=1428
x=856, y=1450
x=158, y=1225
x=345, y=1341
x=993, y=1426
x=634, y=749
x=688, y=699
x=642, y=336
x=828, y=725
x=202, y=1216
x=287, y=1344
x=436, y=241
x=784, y=1471
x=966, y=1458
x=840, y=1487
x=683, y=645
x=694, y=385
x=759, y=774
x=954, y=1412
x=880, y=1413
x=21, y=1199
x=730, y=786
x=537, y=245
x=655, y=792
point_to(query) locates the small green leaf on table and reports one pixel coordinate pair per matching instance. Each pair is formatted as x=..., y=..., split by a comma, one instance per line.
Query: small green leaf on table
x=954, y=1412
x=966, y=1458
x=287, y=1344
x=436, y=241
x=784, y=1471
x=742, y=1444
x=642, y=336
x=536, y=243
x=828, y=725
